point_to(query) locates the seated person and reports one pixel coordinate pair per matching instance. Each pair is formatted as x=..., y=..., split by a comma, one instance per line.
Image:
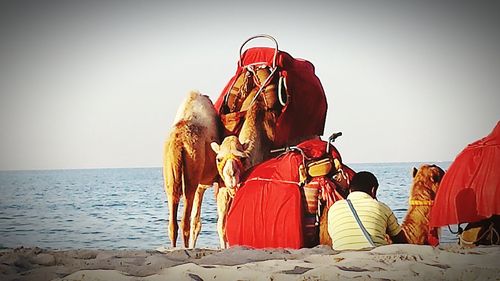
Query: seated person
x=377, y=217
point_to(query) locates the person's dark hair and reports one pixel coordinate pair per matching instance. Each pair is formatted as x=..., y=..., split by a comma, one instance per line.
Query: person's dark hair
x=363, y=181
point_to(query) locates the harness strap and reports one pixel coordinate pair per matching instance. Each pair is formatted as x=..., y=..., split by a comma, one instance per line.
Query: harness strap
x=263, y=85
x=222, y=163
x=363, y=229
x=416, y=202
x=252, y=81
x=232, y=99
x=273, y=180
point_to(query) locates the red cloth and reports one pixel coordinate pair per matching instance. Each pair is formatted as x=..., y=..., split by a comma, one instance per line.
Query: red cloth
x=316, y=148
x=305, y=111
x=268, y=211
x=433, y=236
x=329, y=194
x=470, y=189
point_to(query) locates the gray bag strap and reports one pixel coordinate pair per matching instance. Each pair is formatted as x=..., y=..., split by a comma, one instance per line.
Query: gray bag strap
x=363, y=229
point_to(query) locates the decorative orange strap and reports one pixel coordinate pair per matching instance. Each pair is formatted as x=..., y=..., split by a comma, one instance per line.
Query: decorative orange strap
x=415, y=202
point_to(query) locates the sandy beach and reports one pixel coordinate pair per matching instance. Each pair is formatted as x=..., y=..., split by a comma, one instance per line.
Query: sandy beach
x=393, y=262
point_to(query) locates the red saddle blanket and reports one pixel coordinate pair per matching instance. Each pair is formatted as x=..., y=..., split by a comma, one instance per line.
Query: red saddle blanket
x=268, y=211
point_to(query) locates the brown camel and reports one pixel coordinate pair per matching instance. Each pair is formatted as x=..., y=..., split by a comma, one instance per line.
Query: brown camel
x=253, y=98
x=189, y=164
x=422, y=193
x=235, y=155
x=252, y=110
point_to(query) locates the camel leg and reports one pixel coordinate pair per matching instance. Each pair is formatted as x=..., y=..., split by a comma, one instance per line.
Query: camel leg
x=324, y=237
x=223, y=203
x=186, y=218
x=172, y=185
x=195, y=215
x=172, y=222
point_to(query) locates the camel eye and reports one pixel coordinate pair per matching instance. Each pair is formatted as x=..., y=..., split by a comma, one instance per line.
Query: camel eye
x=218, y=159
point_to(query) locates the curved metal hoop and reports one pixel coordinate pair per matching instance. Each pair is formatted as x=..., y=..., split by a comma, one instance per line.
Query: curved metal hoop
x=260, y=36
x=281, y=84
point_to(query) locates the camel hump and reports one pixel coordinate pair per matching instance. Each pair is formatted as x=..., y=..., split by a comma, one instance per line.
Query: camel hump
x=197, y=109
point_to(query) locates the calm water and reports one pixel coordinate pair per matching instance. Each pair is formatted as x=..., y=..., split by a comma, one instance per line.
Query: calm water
x=126, y=208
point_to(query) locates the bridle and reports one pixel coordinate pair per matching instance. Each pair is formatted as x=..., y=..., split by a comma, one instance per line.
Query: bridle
x=229, y=156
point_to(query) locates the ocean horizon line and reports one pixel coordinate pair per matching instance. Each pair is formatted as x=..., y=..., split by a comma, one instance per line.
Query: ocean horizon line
x=159, y=167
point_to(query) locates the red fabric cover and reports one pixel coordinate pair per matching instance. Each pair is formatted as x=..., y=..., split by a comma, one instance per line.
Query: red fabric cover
x=470, y=189
x=268, y=214
x=329, y=193
x=305, y=111
x=433, y=236
x=267, y=211
x=316, y=148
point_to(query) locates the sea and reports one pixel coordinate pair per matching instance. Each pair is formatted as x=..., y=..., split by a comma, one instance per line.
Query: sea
x=127, y=208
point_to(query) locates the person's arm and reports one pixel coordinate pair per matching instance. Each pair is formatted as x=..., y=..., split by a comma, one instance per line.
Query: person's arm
x=394, y=230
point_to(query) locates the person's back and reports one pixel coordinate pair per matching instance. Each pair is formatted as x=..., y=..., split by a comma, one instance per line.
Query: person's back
x=376, y=217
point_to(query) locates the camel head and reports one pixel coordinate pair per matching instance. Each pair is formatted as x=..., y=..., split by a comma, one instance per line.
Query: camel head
x=426, y=181
x=231, y=160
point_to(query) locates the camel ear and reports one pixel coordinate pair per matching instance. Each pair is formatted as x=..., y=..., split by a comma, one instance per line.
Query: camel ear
x=215, y=147
x=414, y=171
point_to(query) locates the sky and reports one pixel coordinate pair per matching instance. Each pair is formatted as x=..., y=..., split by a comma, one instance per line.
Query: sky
x=96, y=84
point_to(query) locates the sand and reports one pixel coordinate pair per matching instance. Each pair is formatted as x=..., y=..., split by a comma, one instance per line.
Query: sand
x=393, y=262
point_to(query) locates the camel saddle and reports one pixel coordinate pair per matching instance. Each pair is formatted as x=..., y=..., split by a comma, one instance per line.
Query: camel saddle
x=287, y=86
x=276, y=207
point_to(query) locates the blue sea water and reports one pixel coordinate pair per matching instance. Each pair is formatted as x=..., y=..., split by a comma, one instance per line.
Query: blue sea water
x=127, y=208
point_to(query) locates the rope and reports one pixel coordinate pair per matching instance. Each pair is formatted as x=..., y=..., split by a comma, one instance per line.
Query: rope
x=459, y=230
x=495, y=232
x=263, y=85
x=273, y=180
x=360, y=224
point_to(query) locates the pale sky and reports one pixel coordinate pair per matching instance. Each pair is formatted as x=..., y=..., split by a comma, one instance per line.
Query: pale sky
x=95, y=84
